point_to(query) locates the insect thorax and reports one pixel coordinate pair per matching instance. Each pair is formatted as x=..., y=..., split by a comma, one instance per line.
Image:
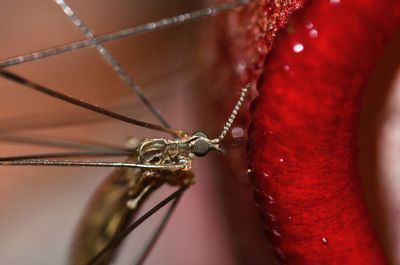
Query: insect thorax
x=165, y=152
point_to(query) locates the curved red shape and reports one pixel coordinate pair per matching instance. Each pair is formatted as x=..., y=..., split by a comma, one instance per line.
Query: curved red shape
x=303, y=142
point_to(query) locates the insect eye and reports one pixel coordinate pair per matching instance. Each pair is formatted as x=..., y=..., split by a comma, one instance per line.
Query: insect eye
x=201, y=147
x=201, y=134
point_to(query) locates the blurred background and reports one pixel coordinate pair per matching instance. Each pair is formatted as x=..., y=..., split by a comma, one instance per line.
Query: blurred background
x=215, y=222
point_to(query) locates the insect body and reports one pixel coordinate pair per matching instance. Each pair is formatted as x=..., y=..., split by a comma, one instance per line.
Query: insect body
x=152, y=163
x=117, y=200
x=121, y=195
x=165, y=152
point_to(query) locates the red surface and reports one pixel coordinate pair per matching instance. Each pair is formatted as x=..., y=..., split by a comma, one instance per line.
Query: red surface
x=247, y=36
x=244, y=36
x=303, y=143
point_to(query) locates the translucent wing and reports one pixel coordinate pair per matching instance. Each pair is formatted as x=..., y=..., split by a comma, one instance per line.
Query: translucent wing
x=113, y=206
x=105, y=215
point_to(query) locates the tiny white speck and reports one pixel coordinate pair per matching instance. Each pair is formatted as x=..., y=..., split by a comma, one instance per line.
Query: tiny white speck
x=325, y=240
x=276, y=233
x=286, y=67
x=309, y=25
x=298, y=48
x=281, y=160
x=241, y=67
x=335, y=2
x=270, y=199
x=237, y=132
x=313, y=33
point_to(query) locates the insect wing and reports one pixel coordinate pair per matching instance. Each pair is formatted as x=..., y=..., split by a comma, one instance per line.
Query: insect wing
x=105, y=216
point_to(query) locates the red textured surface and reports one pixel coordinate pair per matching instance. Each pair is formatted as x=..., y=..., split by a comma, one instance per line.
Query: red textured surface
x=303, y=144
x=244, y=36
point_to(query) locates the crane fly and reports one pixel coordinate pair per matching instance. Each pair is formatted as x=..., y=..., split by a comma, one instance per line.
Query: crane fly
x=151, y=163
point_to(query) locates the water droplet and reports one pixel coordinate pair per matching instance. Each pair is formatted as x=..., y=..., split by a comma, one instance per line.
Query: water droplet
x=335, y=2
x=313, y=33
x=290, y=218
x=237, y=132
x=286, y=68
x=325, y=241
x=249, y=170
x=309, y=25
x=281, y=160
x=241, y=67
x=270, y=199
x=265, y=174
x=298, y=47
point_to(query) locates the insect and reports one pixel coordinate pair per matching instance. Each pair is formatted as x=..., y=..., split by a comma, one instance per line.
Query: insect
x=151, y=163
x=156, y=161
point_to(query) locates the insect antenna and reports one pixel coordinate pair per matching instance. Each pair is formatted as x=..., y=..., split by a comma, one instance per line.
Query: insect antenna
x=232, y=116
